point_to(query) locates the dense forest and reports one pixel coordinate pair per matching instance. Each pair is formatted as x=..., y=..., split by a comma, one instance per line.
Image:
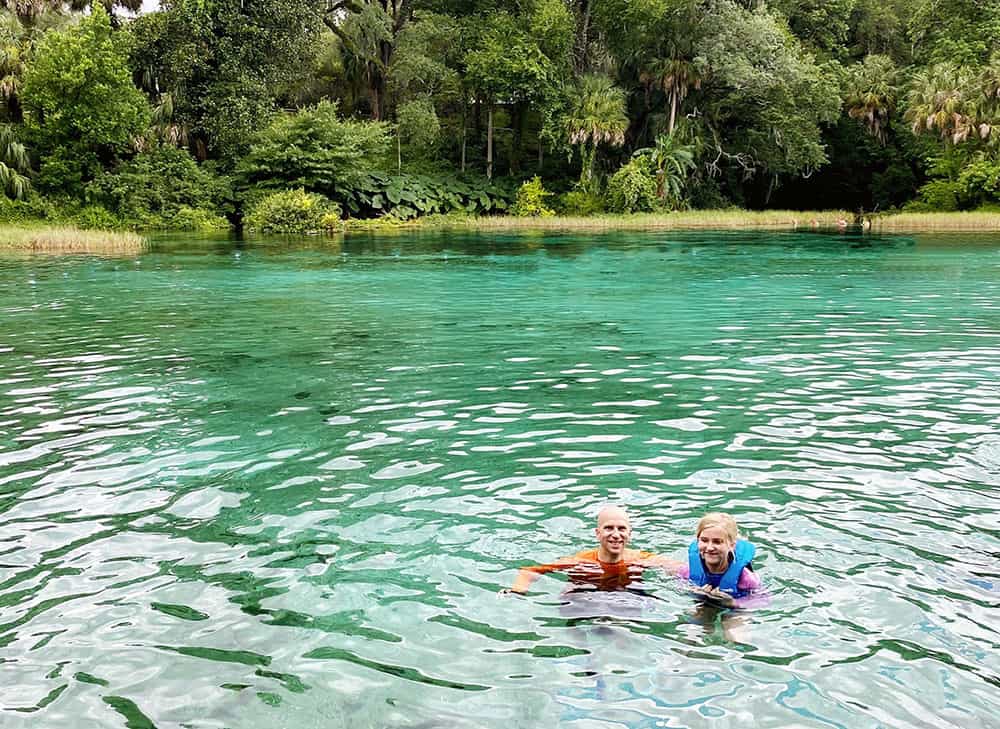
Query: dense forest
x=290, y=114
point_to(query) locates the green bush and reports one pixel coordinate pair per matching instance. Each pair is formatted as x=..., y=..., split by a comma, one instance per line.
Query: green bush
x=418, y=128
x=94, y=217
x=292, y=211
x=980, y=180
x=632, y=188
x=160, y=189
x=66, y=170
x=408, y=196
x=316, y=150
x=58, y=211
x=580, y=203
x=530, y=200
x=31, y=209
x=196, y=219
x=937, y=196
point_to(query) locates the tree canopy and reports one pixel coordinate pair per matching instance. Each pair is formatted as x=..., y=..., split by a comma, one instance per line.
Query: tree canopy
x=801, y=103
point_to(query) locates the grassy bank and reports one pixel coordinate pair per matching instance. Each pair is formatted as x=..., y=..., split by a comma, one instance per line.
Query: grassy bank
x=68, y=240
x=700, y=220
x=981, y=221
x=687, y=220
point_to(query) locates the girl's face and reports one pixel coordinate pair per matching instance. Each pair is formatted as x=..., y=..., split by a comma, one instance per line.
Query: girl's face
x=714, y=546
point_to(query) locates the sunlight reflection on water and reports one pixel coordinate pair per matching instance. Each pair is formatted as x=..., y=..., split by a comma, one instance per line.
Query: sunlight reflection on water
x=283, y=488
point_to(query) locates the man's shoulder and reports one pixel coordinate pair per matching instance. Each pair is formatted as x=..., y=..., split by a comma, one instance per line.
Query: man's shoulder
x=638, y=555
x=587, y=555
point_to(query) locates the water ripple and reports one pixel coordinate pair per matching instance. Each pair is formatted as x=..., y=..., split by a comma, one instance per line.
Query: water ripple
x=283, y=487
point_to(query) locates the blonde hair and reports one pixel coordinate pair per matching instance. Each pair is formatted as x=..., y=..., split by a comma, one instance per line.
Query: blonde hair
x=723, y=521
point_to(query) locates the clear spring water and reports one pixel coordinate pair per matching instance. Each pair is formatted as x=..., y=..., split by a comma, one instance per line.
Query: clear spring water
x=279, y=485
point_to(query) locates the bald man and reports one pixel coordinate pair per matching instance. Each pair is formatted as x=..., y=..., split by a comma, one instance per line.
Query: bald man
x=612, y=566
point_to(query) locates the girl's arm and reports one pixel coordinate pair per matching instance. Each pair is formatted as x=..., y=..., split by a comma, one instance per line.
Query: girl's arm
x=750, y=582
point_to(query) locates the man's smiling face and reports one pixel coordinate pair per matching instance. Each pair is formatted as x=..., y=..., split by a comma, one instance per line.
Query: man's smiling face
x=613, y=533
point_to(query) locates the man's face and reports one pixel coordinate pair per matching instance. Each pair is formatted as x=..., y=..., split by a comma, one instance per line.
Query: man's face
x=613, y=532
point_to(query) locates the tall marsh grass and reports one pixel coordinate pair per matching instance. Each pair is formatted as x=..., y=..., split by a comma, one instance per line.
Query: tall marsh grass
x=959, y=222
x=687, y=220
x=69, y=240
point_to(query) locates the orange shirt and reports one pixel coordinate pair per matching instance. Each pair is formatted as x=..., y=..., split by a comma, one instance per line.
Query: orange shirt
x=585, y=567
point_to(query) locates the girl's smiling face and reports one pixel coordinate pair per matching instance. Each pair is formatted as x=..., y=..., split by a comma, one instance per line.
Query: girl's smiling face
x=714, y=546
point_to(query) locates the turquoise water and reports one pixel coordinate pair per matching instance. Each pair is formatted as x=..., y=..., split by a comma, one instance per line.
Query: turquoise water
x=263, y=485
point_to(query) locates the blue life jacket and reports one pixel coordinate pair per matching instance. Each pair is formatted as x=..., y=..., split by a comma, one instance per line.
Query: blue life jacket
x=728, y=581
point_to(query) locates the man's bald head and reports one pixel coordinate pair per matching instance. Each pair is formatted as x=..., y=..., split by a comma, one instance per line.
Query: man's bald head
x=613, y=532
x=611, y=512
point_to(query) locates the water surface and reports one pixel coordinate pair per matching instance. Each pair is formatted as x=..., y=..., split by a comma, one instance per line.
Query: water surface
x=280, y=484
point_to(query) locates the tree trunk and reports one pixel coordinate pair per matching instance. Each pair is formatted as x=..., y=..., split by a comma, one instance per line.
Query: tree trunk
x=462, y=168
x=375, y=82
x=581, y=43
x=673, y=111
x=489, y=141
x=517, y=122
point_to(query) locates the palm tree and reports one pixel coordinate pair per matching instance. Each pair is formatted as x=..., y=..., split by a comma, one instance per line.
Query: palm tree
x=675, y=76
x=989, y=80
x=13, y=165
x=944, y=98
x=871, y=94
x=672, y=162
x=20, y=29
x=596, y=116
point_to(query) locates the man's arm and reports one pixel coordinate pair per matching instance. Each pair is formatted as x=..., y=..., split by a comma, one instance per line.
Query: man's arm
x=527, y=575
x=659, y=561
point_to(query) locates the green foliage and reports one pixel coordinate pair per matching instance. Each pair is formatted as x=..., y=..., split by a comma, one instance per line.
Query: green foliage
x=195, y=219
x=530, y=200
x=224, y=63
x=407, y=196
x=980, y=181
x=768, y=98
x=507, y=63
x=632, y=189
x=95, y=217
x=552, y=27
x=317, y=150
x=580, y=203
x=78, y=90
x=672, y=162
x=66, y=170
x=292, y=211
x=962, y=32
x=937, y=196
x=14, y=164
x=163, y=188
x=428, y=53
x=822, y=24
x=871, y=94
x=760, y=93
x=418, y=127
x=58, y=211
x=596, y=116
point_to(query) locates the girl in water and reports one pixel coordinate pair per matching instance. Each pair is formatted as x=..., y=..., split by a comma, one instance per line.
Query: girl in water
x=720, y=563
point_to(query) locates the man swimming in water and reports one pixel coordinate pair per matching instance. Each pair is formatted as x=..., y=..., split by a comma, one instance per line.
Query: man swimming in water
x=612, y=566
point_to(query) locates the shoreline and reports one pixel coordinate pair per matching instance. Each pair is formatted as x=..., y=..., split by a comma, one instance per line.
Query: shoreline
x=41, y=238
x=774, y=220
